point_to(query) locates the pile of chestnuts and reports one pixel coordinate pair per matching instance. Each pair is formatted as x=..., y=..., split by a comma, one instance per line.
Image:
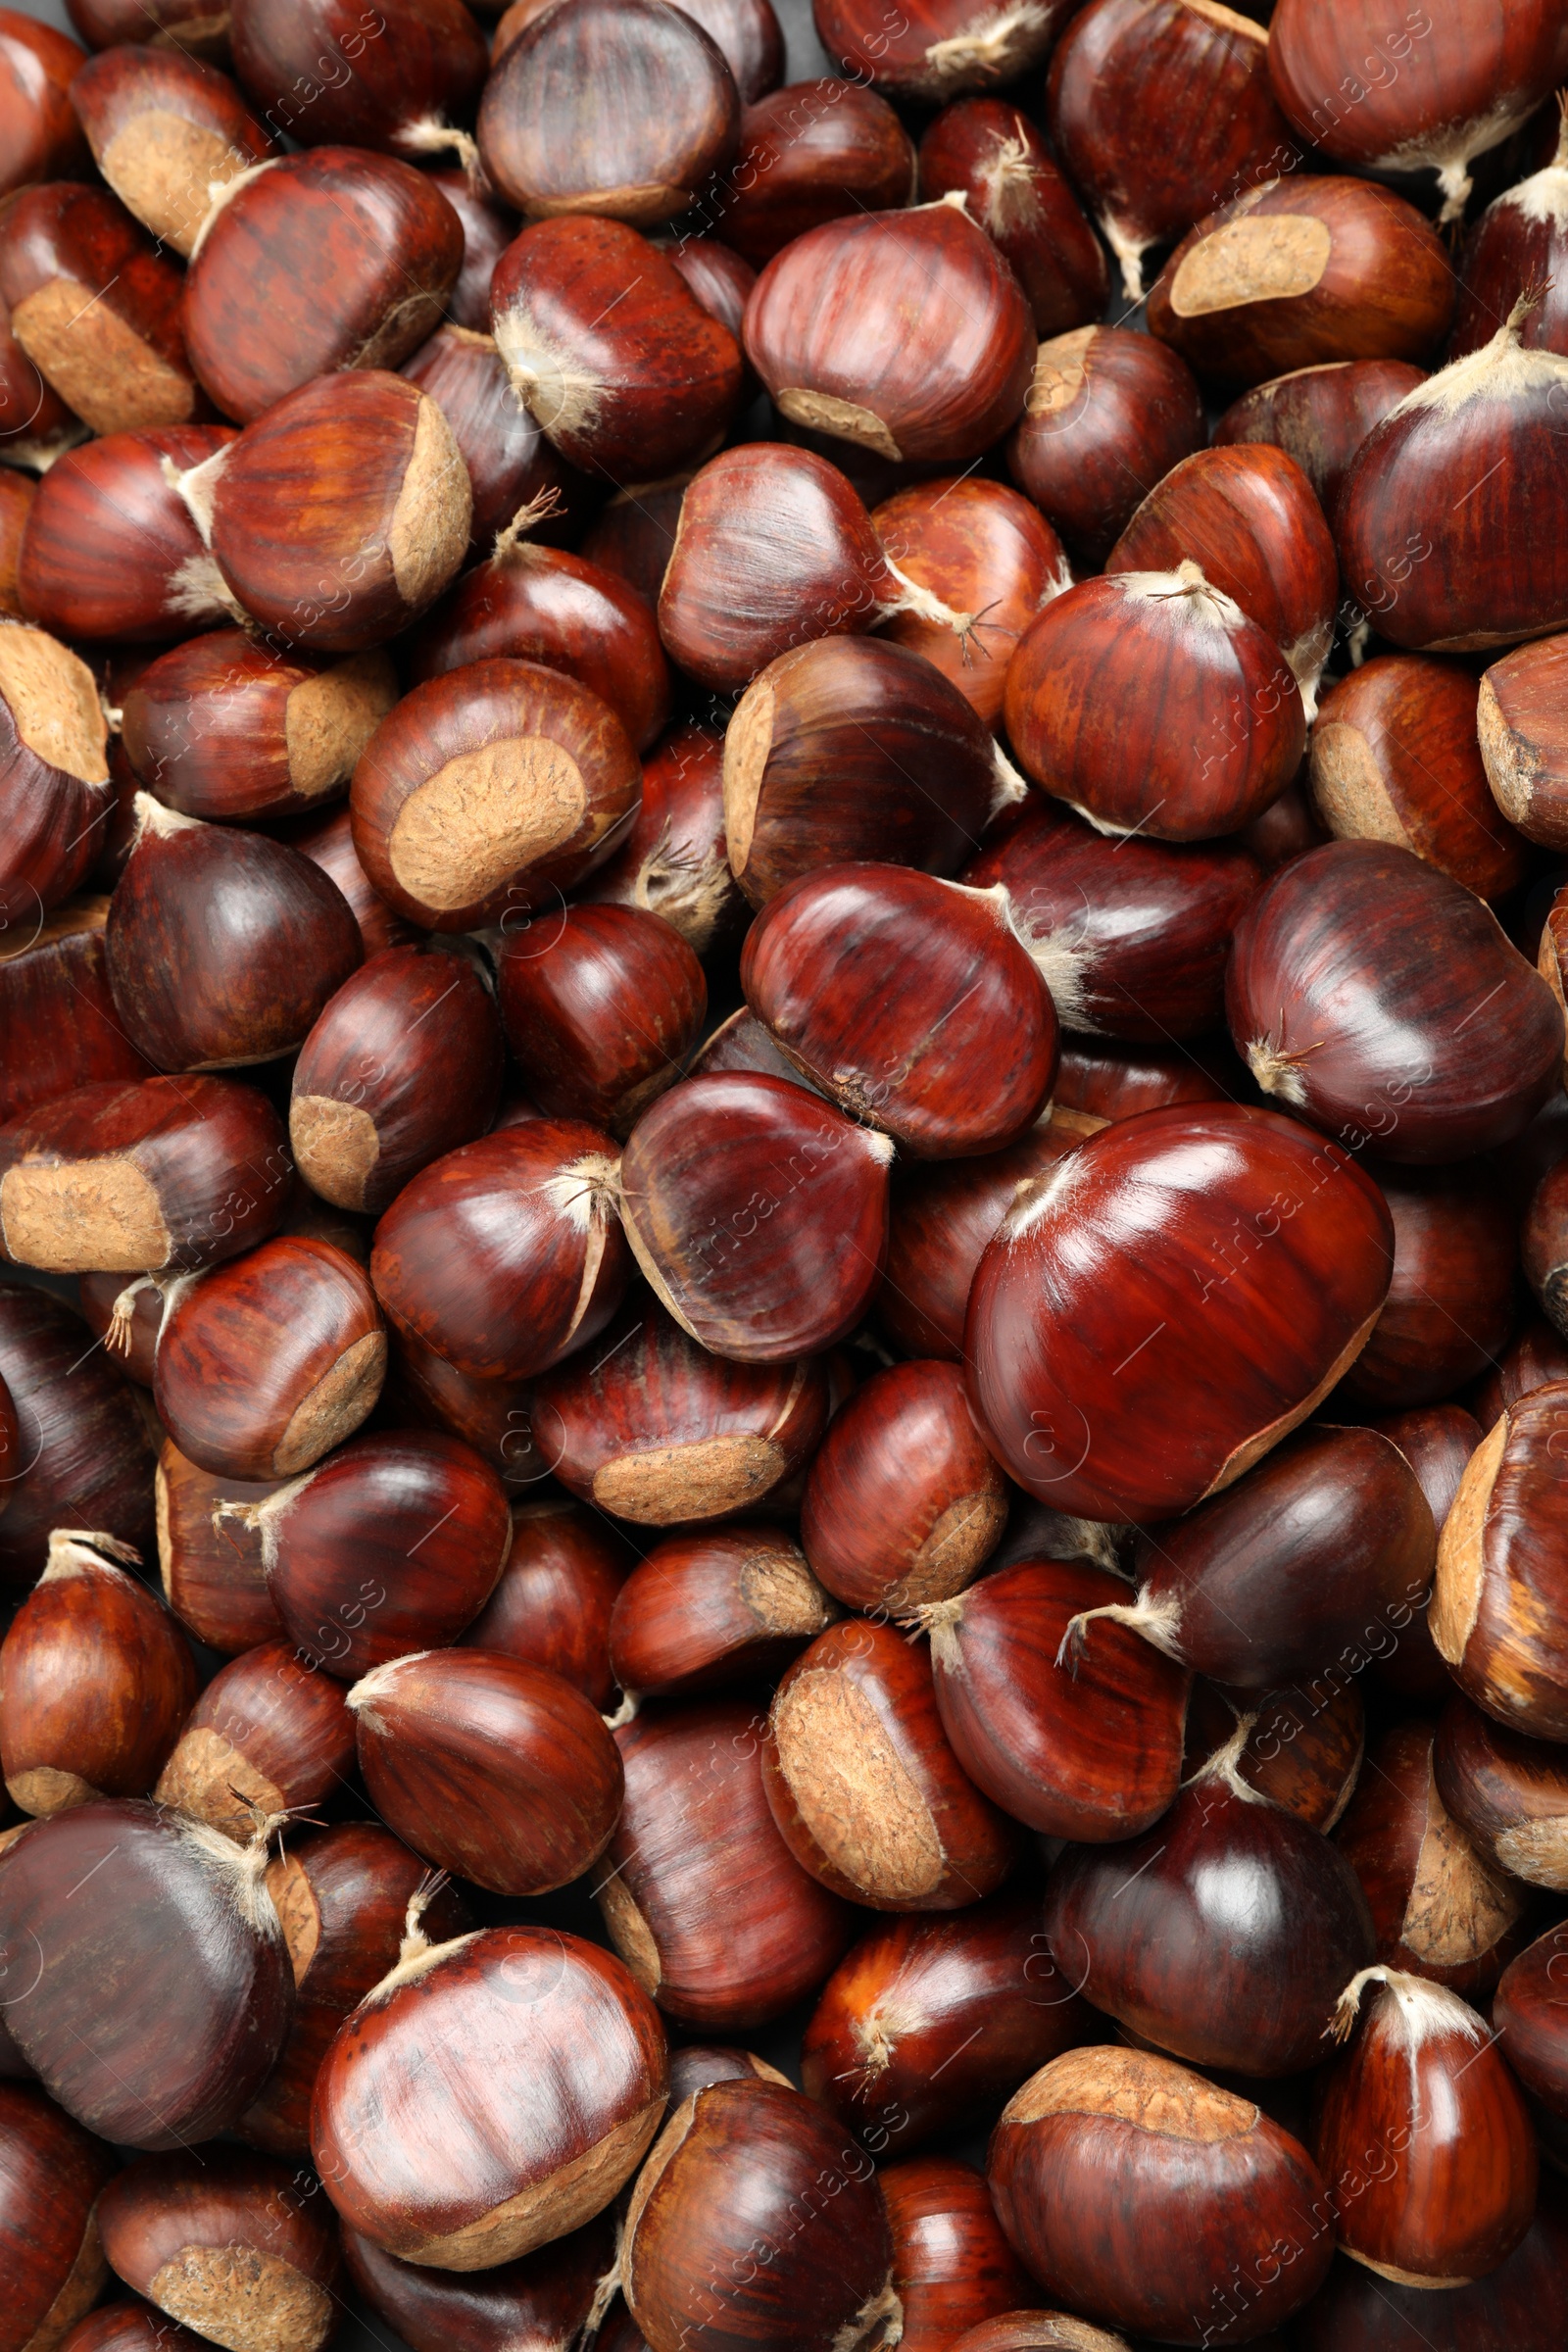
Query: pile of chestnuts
x=784, y=1176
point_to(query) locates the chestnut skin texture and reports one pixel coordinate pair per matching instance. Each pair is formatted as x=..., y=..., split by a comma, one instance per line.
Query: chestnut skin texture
x=1498, y=1597
x=225, y=2237
x=1127, y=1388
x=952, y=2266
x=699, y=1893
x=1509, y=1793
x=1523, y=748
x=509, y=462
x=54, y=994
x=110, y=549
x=270, y=1734
x=1026, y=204
x=600, y=1006
x=543, y=2299
x=711, y=1608
x=1526, y=2014
x=554, y=1602
x=43, y=137
x=1353, y=988
x=67, y=248
x=810, y=154
x=1104, y=2145
x=1107, y=414
x=51, y=2173
x=81, y=1442
x=213, y=1576
x=1449, y=1310
x=572, y=2083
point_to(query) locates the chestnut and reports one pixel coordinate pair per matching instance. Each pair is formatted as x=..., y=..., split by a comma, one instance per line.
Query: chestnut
x=410, y=73
x=555, y=1603
x=1319, y=415
x=758, y=1213
x=1508, y=1793
x=95, y=1679
x=111, y=548
x=1510, y=2310
x=742, y=1044
x=269, y=1735
x=815, y=152
x=1169, y=641
x=424, y=1391
x=606, y=346
x=160, y=1175
x=55, y=792
x=1527, y=2027
x=223, y=727
x=698, y=1893
x=711, y=1608
x=1535, y=1357
x=1441, y=1908
x=333, y=259
x=995, y=155
x=1421, y=2083
x=512, y=467
x=864, y=1786
x=224, y=2240
x=624, y=107
x=1342, y=1011
x=1099, y=1082
x=1437, y=1440
x=653, y=1427
x=1108, y=413
x=129, y=2327
x=1449, y=1309
x=938, y=47
x=1081, y=1341
x=553, y=2111
x=54, y=2172
x=210, y=1563
x=1299, y=271
x=988, y=559
x=903, y=332
x=672, y=862
x=1517, y=242
x=1497, y=1600
x=1121, y=66
x=96, y=308
x=167, y=132
x=58, y=1028
x=1522, y=742
x=504, y=1255
x=728, y=2173
x=17, y=496
x=952, y=2266
x=43, y=138
x=1305, y=1748
x=1045, y=2332
x=329, y=841
x=848, y=749
x=918, y=1006
x=363, y=1115
x=544, y=2299
x=718, y=278
x=1545, y=1245
x=634, y=532
x=393, y=1540
x=488, y=790
x=695, y=2067
x=190, y=25
x=1095, y=1756
x=1105, y=2148
x=37, y=427
x=600, y=1006
x=1489, y=423
x=83, y=1444
x=191, y=985
x=156, y=2065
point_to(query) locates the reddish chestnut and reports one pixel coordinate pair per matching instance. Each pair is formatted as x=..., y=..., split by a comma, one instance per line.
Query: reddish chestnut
x=96, y=308
x=43, y=138
x=1105, y=1082
x=1320, y=416
x=269, y=1735
x=1526, y=2024
x=210, y=1564
x=1509, y=1793
x=17, y=496
x=329, y=841
x=988, y=559
x=167, y=132
x=672, y=862
x=997, y=157
x=1449, y=1309
x=225, y=2241
x=810, y=154
x=512, y=467
x=55, y=793
x=411, y=72
x=725, y=1605
x=938, y=47
x=1517, y=242
x=1108, y=413
x=1497, y=1598
x=1519, y=727
x=111, y=548
x=53, y=2173
x=952, y=2266
x=555, y=1601
x=545, y=2299
x=600, y=1007
x=81, y=1441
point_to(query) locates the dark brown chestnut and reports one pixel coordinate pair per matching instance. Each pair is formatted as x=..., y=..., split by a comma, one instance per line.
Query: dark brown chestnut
x=600, y=1007
x=809, y=154
x=1305, y=1748
x=713, y=1608
x=1320, y=416
x=1107, y=414
x=329, y=841
x=226, y=2241
x=54, y=2173
x=1519, y=727
x=555, y=1601
x=672, y=862
x=1100, y=1083
x=936, y=48
x=545, y=2299
x=211, y=1565
x=995, y=155
x=1449, y=1309
x=96, y=308
x=82, y=1449
x=512, y=467
x=269, y=1735
x=396, y=81
x=1499, y=1592
x=952, y=2266
x=1510, y=2310
x=1507, y=1793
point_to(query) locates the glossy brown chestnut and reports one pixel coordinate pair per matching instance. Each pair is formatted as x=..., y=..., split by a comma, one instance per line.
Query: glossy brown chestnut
x=191, y=986
x=1320, y=416
x=1165, y=641
x=53, y=2173
x=1104, y=2145
x=269, y=1735
x=903, y=332
x=1437, y=1443
x=1421, y=2083
x=82, y=1449
x=42, y=137
x=556, y=1594
x=1518, y=242
x=333, y=259
x=225, y=2241
x=1497, y=1598
x=1049, y=2332
x=131, y=2325
x=608, y=347
x=989, y=559
x=1510, y=2310
x=1305, y=1750
x=1299, y=271
x=488, y=1767
x=535, y=2141
x=810, y=154
x=995, y=155
x=17, y=496
x=735, y=2159
x=151, y=1175
x=35, y=425
x=1082, y=1341
x=653, y=1427
x=96, y=308
x=1107, y=1082
x=742, y=1044
x=1202, y=75
x=600, y=1007
x=411, y=72
x=95, y=1681
x=211, y=1565
x=1345, y=1014
x=1449, y=1309
x=111, y=548
x=707, y=1610
x=1527, y=2023
x=166, y=131
x=488, y=228
x=98, y=2027
x=1108, y=413
x=952, y=2266
x=545, y=2299
x=1508, y=1793
x=55, y=793
x=511, y=466
x=1440, y=1907
x=404, y=1064
x=699, y=1893
x=758, y=1213
x=718, y=278
x=505, y=1255
x=487, y=792
x=938, y=47
x=865, y=1789
x=1523, y=744
x=672, y=862
x=424, y=1391
x=225, y=727
x=329, y=841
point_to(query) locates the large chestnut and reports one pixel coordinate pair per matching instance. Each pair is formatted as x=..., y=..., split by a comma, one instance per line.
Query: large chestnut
x=269, y=1736
x=952, y=2266
x=1500, y=1594
x=167, y=132
x=1523, y=744
x=864, y=1786
x=1108, y=414
x=1319, y=415
x=96, y=308
x=1115, y=1345
x=111, y=548
x=53, y=2172
x=1345, y=1014
x=995, y=155
x=81, y=1443
x=713, y=1608
x=226, y=2241
x=600, y=1007
x=560, y=2097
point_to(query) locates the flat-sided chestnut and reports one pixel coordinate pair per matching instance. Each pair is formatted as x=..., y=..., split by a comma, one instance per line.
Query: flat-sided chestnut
x=1345, y=1014
x=223, y=946
x=546, y=2298
x=600, y=1006
x=537, y=2137
x=167, y=132
x=1108, y=413
x=226, y=2241
x=140, y=2060
x=269, y=1735
x=1523, y=743
x=1104, y=2146
x=96, y=308
x=95, y=1679
x=211, y=1565
x=54, y=2172
x=410, y=73
x=811, y=152
x=1319, y=415
x=82, y=1443
x=713, y=1608
x=1092, y=1306
x=867, y=1793
x=553, y=1603
x=995, y=155
x=672, y=862
x=111, y=548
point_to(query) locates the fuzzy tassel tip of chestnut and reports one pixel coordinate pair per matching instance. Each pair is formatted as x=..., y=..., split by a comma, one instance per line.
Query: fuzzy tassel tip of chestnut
x=1417, y=2009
